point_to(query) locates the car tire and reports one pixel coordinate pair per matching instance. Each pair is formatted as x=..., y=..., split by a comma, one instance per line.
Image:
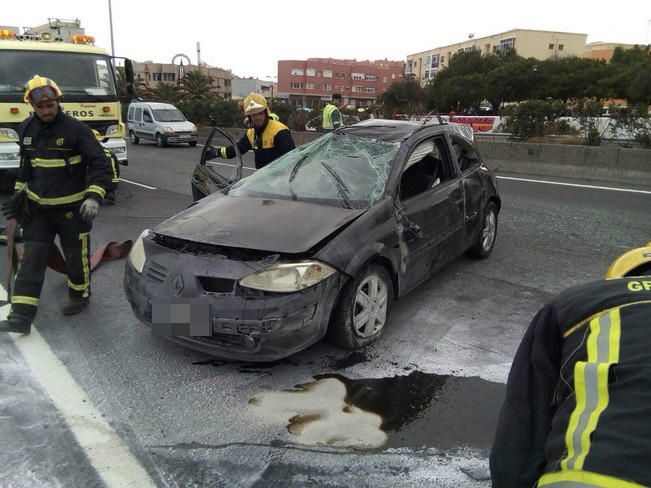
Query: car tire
x=487, y=234
x=193, y=143
x=134, y=138
x=159, y=141
x=348, y=328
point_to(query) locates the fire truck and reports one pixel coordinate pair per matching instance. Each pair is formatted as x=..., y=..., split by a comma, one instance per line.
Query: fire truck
x=85, y=73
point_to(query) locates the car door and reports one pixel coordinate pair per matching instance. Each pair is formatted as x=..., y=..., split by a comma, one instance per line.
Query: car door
x=137, y=122
x=430, y=200
x=468, y=160
x=148, y=124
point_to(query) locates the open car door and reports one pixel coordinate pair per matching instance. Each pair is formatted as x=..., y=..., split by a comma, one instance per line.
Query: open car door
x=210, y=175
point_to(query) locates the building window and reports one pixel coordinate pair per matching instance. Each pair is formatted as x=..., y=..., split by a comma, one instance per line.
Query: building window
x=506, y=44
x=551, y=46
x=442, y=59
x=393, y=76
x=296, y=85
x=358, y=76
x=370, y=78
x=169, y=76
x=297, y=72
x=370, y=89
x=156, y=76
x=310, y=72
x=327, y=73
x=227, y=82
x=560, y=47
x=336, y=76
x=384, y=80
x=327, y=86
x=309, y=86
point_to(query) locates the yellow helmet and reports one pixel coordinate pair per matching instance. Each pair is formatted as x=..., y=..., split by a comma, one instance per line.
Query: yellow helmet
x=255, y=103
x=40, y=88
x=636, y=262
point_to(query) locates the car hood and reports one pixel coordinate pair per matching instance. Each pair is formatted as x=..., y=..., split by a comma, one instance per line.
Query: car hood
x=179, y=126
x=264, y=224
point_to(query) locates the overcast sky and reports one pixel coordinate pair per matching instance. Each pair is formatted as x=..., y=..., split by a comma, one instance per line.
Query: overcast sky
x=249, y=37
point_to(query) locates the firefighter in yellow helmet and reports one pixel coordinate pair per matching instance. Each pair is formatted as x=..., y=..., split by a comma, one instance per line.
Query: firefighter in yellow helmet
x=63, y=176
x=578, y=398
x=268, y=138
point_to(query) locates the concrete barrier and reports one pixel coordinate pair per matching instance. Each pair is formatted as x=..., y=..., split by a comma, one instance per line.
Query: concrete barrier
x=601, y=163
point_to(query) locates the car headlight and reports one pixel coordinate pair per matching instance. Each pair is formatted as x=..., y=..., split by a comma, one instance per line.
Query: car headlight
x=7, y=134
x=169, y=130
x=12, y=156
x=118, y=150
x=114, y=130
x=193, y=128
x=137, y=256
x=288, y=277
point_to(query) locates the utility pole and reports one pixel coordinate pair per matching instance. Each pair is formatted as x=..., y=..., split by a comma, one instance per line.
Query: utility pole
x=111, y=24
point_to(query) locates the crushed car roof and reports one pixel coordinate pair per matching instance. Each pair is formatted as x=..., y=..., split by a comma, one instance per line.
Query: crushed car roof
x=397, y=130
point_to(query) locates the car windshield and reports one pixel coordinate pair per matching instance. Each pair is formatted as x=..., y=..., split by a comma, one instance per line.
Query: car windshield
x=81, y=77
x=169, y=115
x=336, y=169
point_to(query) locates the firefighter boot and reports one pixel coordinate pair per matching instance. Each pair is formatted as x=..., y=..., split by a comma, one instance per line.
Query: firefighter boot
x=75, y=305
x=16, y=324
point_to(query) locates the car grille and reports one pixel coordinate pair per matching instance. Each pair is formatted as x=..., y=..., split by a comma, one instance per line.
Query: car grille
x=182, y=133
x=234, y=253
x=156, y=272
x=226, y=340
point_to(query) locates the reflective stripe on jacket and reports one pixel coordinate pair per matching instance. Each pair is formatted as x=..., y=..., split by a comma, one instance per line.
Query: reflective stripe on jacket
x=578, y=398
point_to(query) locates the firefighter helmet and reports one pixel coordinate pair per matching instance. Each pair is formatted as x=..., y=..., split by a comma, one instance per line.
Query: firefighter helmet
x=40, y=88
x=636, y=262
x=255, y=103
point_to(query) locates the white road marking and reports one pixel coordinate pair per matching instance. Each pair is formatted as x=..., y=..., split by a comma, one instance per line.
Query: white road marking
x=139, y=184
x=577, y=185
x=105, y=450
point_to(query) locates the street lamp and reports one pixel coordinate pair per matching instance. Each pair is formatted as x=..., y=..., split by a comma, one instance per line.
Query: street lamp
x=111, y=25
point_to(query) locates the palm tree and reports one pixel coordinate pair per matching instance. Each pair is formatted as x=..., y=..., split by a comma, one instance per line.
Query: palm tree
x=196, y=86
x=164, y=92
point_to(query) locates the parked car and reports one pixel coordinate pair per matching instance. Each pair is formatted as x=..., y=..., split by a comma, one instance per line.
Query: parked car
x=162, y=123
x=321, y=240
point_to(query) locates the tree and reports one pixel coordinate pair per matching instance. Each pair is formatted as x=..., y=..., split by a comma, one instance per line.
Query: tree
x=196, y=86
x=164, y=92
x=403, y=97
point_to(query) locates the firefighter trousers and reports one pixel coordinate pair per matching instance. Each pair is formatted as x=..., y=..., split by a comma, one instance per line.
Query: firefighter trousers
x=38, y=235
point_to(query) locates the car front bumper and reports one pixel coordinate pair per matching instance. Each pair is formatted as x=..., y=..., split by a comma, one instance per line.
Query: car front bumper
x=246, y=328
x=118, y=147
x=179, y=138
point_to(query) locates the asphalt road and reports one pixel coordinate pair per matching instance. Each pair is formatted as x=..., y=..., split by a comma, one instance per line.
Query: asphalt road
x=436, y=379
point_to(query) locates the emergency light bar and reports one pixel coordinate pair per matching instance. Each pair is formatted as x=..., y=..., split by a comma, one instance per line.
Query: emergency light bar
x=7, y=34
x=82, y=39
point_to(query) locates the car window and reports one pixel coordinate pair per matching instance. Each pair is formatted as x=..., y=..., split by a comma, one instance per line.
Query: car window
x=169, y=115
x=426, y=168
x=336, y=169
x=138, y=114
x=146, y=117
x=131, y=111
x=464, y=153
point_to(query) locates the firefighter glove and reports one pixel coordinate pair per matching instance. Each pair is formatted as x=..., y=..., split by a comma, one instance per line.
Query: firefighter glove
x=17, y=207
x=89, y=209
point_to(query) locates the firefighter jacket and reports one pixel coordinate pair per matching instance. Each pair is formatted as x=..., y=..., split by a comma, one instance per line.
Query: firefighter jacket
x=578, y=398
x=269, y=142
x=61, y=162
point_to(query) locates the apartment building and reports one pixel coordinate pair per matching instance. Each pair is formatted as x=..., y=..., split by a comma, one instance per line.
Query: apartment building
x=537, y=44
x=241, y=87
x=151, y=74
x=311, y=83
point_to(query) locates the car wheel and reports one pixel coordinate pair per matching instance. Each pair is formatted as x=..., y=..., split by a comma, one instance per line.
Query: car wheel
x=363, y=309
x=134, y=138
x=485, y=241
x=159, y=141
x=193, y=143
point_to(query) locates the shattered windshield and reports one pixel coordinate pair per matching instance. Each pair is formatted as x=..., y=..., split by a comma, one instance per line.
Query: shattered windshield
x=336, y=169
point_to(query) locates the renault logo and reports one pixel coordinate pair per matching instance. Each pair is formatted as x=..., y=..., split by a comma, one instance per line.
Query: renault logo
x=178, y=284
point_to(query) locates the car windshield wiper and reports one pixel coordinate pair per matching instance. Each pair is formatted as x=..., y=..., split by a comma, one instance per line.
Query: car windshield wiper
x=292, y=175
x=341, y=186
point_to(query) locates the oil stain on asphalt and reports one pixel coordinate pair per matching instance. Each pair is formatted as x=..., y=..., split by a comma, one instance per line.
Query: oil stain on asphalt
x=418, y=410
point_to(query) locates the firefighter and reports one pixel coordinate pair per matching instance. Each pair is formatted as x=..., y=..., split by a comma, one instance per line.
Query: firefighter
x=63, y=177
x=268, y=138
x=332, y=118
x=578, y=397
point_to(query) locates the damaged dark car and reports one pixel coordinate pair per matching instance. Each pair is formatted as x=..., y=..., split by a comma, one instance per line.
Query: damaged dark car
x=320, y=241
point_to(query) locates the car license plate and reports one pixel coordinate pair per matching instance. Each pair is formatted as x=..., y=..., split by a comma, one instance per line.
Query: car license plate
x=181, y=319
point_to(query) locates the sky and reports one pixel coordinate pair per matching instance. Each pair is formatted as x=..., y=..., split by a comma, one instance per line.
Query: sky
x=249, y=37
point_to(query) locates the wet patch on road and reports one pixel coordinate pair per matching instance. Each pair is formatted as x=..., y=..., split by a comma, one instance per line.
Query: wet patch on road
x=418, y=410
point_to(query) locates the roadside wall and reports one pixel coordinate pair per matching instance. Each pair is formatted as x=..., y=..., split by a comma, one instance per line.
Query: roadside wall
x=601, y=163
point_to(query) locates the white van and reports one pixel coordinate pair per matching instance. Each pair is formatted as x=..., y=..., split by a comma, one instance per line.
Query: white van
x=159, y=122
